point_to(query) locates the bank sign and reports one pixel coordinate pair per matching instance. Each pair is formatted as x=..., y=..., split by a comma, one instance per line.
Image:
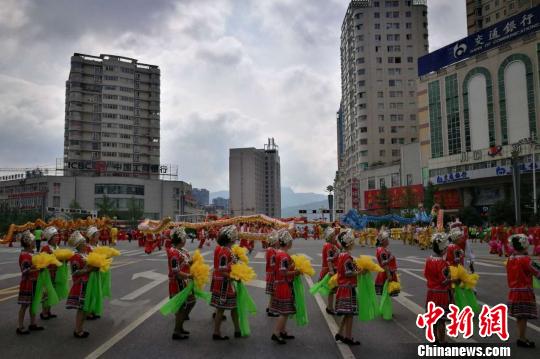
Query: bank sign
x=481, y=173
x=507, y=30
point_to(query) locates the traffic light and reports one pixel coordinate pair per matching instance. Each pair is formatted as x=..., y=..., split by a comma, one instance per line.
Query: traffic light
x=302, y=211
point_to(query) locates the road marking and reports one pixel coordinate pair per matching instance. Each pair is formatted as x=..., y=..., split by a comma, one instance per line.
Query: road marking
x=344, y=349
x=257, y=283
x=9, y=276
x=487, y=265
x=305, y=255
x=130, y=251
x=532, y=326
x=204, y=254
x=260, y=255
x=124, y=332
x=122, y=264
x=411, y=260
x=480, y=273
x=8, y=262
x=131, y=254
x=156, y=278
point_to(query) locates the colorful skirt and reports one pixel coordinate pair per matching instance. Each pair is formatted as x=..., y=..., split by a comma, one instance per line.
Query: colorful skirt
x=269, y=283
x=223, y=294
x=76, y=295
x=176, y=286
x=441, y=298
x=27, y=288
x=282, y=301
x=522, y=303
x=346, y=303
x=381, y=279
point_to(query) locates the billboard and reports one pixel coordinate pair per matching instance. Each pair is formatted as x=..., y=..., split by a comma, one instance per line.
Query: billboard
x=502, y=32
x=396, y=197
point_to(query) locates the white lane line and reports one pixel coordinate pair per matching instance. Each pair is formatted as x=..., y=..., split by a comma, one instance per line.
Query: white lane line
x=130, y=251
x=305, y=255
x=480, y=273
x=411, y=260
x=346, y=352
x=9, y=275
x=257, y=283
x=8, y=262
x=124, y=332
x=532, y=326
x=260, y=255
x=482, y=264
x=204, y=254
x=136, y=253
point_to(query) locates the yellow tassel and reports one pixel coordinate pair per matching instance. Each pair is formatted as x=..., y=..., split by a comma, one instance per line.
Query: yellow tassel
x=302, y=264
x=366, y=263
x=332, y=283
x=63, y=254
x=200, y=272
x=467, y=280
x=240, y=253
x=197, y=257
x=43, y=260
x=394, y=287
x=100, y=261
x=242, y=272
x=108, y=252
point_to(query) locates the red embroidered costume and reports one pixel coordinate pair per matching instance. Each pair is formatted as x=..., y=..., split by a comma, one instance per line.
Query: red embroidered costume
x=223, y=294
x=27, y=286
x=346, y=285
x=437, y=274
x=179, y=261
x=270, y=265
x=521, y=298
x=388, y=262
x=283, y=297
x=78, y=289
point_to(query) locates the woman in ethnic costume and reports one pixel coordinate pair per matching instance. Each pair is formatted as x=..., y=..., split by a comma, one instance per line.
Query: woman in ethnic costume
x=520, y=270
x=179, y=262
x=283, y=296
x=329, y=256
x=271, y=251
x=27, y=286
x=223, y=293
x=79, y=275
x=437, y=273
x=52, y=238
x=346, y=302
x=387, y=261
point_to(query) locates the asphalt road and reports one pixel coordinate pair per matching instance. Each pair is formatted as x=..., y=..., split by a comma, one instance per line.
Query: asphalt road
x=132, y=326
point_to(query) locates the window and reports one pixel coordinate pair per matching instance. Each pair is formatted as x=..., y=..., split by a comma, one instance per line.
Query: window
x=56, y=201
x=380, y=118
x=409, y=179
x=363, y=153
x=377, y=26
x=360, y=60
x=363, y=129
x=381, y=183
x=371, y=183
x=395, y=180
x=376, y=15
x=408, y=14
x=377, y=37
x=380, y=94
x=408, y=25
x=363, y=141
x=452, y=115
x=395, y=153
x=381, y=141
x=410, y=59
x=408, y=36
x=381, y=129
x=382, y=153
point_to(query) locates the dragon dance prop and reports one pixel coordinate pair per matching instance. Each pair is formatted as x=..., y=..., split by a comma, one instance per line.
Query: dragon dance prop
x=44, y=283
x=58, y=223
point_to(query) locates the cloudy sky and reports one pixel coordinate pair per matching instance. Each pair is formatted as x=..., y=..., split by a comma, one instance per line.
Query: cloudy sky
x=233, y=73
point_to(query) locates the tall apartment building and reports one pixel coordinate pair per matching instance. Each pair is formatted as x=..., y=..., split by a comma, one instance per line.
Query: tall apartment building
x=112, y=117
x=484, y=13
x=255, y=181
x=380, y=44
x=201, y=195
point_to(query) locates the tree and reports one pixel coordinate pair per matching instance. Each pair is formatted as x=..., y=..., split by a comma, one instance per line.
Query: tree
x=502, y=212
x=469, y=216
x=330, y=189
x=106, y=207
x=10, y=215
x=409, y=200
x=429, y=196
x=383, y=200
x=134, y=212
x=75, y=205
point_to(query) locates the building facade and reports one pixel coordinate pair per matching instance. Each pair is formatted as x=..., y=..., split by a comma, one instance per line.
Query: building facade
x=484, y=13
x=255, y=181
x=380, y=44
x=112, y=117
x=473, y=112
x=221, y=203
x=202, y=196
x=156, y=198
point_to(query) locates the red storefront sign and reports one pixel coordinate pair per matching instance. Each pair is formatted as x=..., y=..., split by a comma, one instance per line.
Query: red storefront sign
x=396, y=196
x=449, y=199
x=355, y=195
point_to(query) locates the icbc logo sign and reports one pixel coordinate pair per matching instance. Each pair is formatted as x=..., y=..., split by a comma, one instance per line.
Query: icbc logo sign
x=79, y=165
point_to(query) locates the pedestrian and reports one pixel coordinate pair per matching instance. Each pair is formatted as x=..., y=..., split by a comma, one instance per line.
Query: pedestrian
x=223, y=293
x=271, y=251
x=520, y=270
x=79, y=275
x=282, y=297
x=437, y=274
x=329, y=256
x=37, y=235
x=27, y=286
x=346, y=301
x=387, y=261
x=52, y=237
x=179, y=262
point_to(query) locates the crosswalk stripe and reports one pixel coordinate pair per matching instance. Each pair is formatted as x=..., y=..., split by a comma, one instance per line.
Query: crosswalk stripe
x=130, y=251
x=260, y=255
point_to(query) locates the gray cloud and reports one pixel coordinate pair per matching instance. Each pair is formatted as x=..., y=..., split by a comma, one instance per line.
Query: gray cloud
x=234, y=72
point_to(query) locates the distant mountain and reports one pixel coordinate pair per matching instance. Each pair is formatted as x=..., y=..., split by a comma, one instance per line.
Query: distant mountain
x=293, y=210
x=289, y=198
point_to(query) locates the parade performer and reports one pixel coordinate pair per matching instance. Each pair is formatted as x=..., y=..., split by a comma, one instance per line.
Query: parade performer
x=179, y=262
x=536, y=241
x=388, y=262
x=330, y=254
x=79, y=275
x=271, y=251
x=282, y=296
x=223, y=294
x=520, y=270
x=27, y=285
x=52, y=237
x=437, y=273
x=92, y=238
x=346, y=301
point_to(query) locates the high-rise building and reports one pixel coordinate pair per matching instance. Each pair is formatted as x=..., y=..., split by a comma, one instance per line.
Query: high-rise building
x=380, y=44
x=221, y=202
x=485, y=13
x=112, y=117
x=255, y=180
x=202, y=196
